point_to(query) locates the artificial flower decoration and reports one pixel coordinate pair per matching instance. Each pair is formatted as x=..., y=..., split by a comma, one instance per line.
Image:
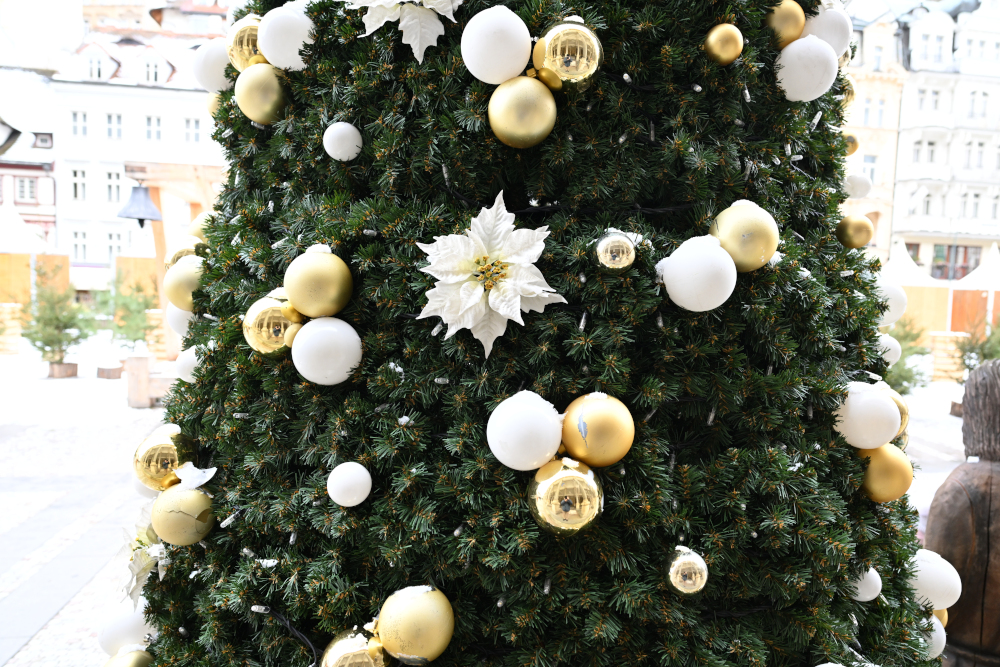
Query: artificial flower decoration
x=418, y=19
x=487, y=275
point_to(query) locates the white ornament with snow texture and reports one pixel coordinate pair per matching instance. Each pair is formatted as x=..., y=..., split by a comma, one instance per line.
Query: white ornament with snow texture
x=496, y=45
x=326, y=350
x=185, y=364
x=210, y=62
x=936, y=639
x=806, y=69
x=935, y=580
x=896, y=296
x=857, y=186
x=486, y=276
x=890, y=348
x=123, y=629
x=869, y=586
x=868, y=418
x=833, y=25
x=524, y=432
x=282, y=33
x=178, y=319
x=699, y=275
x=349, y=484
x=420, y=25
x=342, y=141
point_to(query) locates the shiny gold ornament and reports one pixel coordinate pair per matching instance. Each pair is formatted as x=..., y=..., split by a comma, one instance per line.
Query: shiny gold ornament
x=615, y=252
x=852, y=143
x=598, y=429
x=318, y=283
x=415, y=624
x=565, y=497
x=748, y=233
x=290, y=334
x=131, y=659
x=550, y=79
x=181, y=280
x=724, y=43
x=522, y=112
x=241, y=42
x=292, y=315
x=687, y=571
x=787, y=20
x=264, y=326
x=845, y=59
x=182, y=247
x=572, y=52
x=353, y=649
x=197, y=226
x=259, y=94
x=889, y=473
x=213, y=103
x=904, y=411
x=855, y=231
x=156, y=459
x=942, y=615
x=182, y=517
x=849, y=91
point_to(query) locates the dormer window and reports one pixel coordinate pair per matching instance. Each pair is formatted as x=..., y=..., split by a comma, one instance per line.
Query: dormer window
x=95, y=68
x=152, y=72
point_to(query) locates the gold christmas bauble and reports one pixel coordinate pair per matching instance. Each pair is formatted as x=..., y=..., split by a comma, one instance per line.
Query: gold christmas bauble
x=903, y=439
x=292, y=315
x=787, y=20
x=904, y=411
x=748, y=233
x=549, y=78
x=889, y=473
x=565, y=497
x=849, y=91
x=353, y=648
x=259, y=93
x=181, y=280
x=942, y=615
x=572, y=52
x=855, y=231
x=415, y=624
x=197, y=226
x=182, y=247
x=852, y=143
x=687, y=571
x=522, y=112
x=318, y=283
x=844, y=59
x=182, y=516
x=598, y=430
x=212, y=103
x=724, y=43
x=241, y=42
x=264, y=326
x=130, y=659
x=290, y=334
x=156, y=458
x=615, y=252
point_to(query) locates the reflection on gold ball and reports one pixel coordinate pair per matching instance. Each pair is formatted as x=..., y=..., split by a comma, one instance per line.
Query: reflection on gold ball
x=688, y=572
x=522, y=112
x=131, y=659
x=852, y=143
x=290, y=334
x=942, y=615
x=787, y=20
x=259, y=94
x=889, y=473
x=156, y=458
x=182, y=517
x=318, y=283
x=572, y=52
x=197, y=226
x=353, y=649
x=565, y=497
x=904, y=411
x=615, y=252
x=241, y=42
x=416, y=624
x=181, y=280
x=724, y=43
x=855, y=231
x=845, y=59
x=748, y=233
x=182, y=247
x=849, y=91
x=903, y=439
x=264, y=326
x=598, y=429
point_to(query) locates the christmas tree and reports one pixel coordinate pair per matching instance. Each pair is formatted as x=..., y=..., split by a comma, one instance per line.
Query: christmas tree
x=505, y=239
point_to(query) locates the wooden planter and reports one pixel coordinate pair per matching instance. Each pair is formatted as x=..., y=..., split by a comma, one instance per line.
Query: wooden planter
x=62, y=370
x=110, y=373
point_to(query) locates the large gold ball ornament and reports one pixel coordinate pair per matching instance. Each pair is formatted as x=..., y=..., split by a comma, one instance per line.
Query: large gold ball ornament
x=687, y=571
x=213, y=103
x=181, y=280
x=748, y=233
x=415, y=624
x=353, y=648
x=130, y=659
x=572, y=52
x=849, y=91
x=522, y=112
x=290, y=334
x=197, y=226
x=942, y=615
x=182, y=247
x=565, y=497
x=182, y=517
x=852, y=143
x=855, y=231
x=889, y=473
x=615, y=252
x=264, y=326
x=241, y=42
x=259, y=94
x=787, y=20
x=156, y=458
x=724, y=43
x=318, y=283
x=598, y=430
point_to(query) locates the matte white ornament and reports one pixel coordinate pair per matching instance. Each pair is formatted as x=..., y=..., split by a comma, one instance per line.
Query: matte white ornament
x=869, y=586
x=524, y=432
x=833, y=25
x=935, y=580
x=342, y=141
x=124, y=629
x=178, y=319
x=349, y=484
x=936, y=639
x=282, y=33
x=868, y=418
x=699, y=275
x=210, y=62
x=496, y=45
x=896, y=296
x=185, y=364
x=857, y=186
x=806, y=69
x=326, y=350
x=890, y=347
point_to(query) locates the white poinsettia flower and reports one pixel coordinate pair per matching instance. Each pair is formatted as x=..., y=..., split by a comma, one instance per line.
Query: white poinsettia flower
x=487, y=275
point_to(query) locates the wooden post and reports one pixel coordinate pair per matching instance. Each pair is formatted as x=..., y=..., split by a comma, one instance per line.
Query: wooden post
x=138, y=382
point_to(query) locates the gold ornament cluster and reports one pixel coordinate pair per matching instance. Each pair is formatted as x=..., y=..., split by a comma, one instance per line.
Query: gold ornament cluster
x=889, y=473
x=258, y=91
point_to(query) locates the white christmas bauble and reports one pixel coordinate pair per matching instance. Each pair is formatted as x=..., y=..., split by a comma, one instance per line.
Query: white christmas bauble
x=185, y=364
x=869, y=586
x=342, y=141
x=326, y=350
x=833, y=25
x=524, y=432
x=868, y=418
x=806, y=69
x=936, y=639
x=349, y=483
x=699, y=275
x=178, y=319
x=935, y=580
x=496, y=45
x=142, y=489
x=282, y=32
x=890, y=347
x=896, y=296
x=124, y=629
x=210, y=62
x=857, y=186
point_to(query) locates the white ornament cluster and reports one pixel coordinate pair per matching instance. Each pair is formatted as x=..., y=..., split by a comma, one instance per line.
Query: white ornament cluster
x=807, y=67
x=524, y=432
x=496, y=45
x=869, y=417
x=282, y=33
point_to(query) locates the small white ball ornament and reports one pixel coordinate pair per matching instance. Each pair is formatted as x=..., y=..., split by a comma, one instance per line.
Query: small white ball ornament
x=869, y=586
x=282, y=33
x=833, y=25
x=326, y=350
x=896, y=296
x=496, y=45
x=342, y=141
x=699, y=275
x=857, y=186
x=935, y=580
x=349, y=484
x=210, y=62
x=890, y=347
x=185, y=364
x=806, y=69
x=936, y=639
x=178, y=319
x=524, y=431
x=123, y=629
x=868, y=418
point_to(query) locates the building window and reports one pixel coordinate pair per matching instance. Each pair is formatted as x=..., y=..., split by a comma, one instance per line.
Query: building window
x=986, y=102
x=878, y=59
x=972, y=104
x=79, y=124
x=938, y=49
x=114, y=126
x=935, y=98
x=952, y=262
x=968, y=48
x=79, y=185
x=114, y=246
x=913, y=250
x=927, y=204
x=869, y=167
x=868, y=111
x=980, y=151
x=192, y=129
x=43, y=140
x=930, y=151
x=996, y=51
x=114, y=186
x=95, y=68
x=968, y=155
x=152, y=72
x=153, y=127
x=982, y=49
x=881, y=113
x=996, y=207
x=921, y=98
x=80, y=246
x=26, y=189
x=925, y=41
x=917, y=147
x=975, y=205
x=965, y=205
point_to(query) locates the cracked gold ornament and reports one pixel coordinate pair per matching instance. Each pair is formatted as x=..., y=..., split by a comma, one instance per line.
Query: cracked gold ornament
x=855, y=231
x=687, y=571
x=182, y=517
x=156, y=458
x=724, y=43
x=415, y=624
x=787, y=20
x=131, y=659
x=571, y=52
x=241, y=43
x=522, y=112
x=598, y=429
x=264, y=326
x=353, y=648
x=565, y=497
x=186, y=245
x=615, y=252
x=889, y=473
x=318, y=283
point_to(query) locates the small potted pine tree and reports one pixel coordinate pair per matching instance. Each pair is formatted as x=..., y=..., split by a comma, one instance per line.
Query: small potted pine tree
x=125, y=308
x=55, y=323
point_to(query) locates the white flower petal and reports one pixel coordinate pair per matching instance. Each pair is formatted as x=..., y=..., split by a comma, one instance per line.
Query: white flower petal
x=506, y=300
x=524, y=245
x=421, y=28
x=451, y=258
x=493, y=225
x=538, y=303
x=473, y=311
x=528, y=279
x=442, y=301
x=489, y=329
x=378, y=15
x=443, y=7
x=470, y=294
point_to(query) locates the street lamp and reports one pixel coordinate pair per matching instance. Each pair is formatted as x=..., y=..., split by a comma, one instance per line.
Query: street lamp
x=140, y=206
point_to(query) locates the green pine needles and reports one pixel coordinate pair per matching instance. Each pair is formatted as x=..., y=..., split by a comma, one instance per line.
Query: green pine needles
x=735, y=454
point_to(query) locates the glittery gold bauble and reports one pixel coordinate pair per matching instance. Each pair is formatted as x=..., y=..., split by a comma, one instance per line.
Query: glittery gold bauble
x=572, y=51
x=849, y=91
x=598, y=429
x=852, y=143
x=182, y=517
x=855, y=231
x=318, y=283
x=181, y=280
x=353, y=648
x=241, y=42
x=942, y=615
x=130, y=659
x=889, y=473
x=565, y=497
x=687, y=571
x=182, y=247
x=615, y=252
x=156, y=458
x=904, y=411
x=522, y=112
x=212, y=103
x=290, y=334
x=787, y=20
x=415, y=624
x=197, y=226
x=264, y=326
x=724, y=43
x=748, y=233
x=259, y=94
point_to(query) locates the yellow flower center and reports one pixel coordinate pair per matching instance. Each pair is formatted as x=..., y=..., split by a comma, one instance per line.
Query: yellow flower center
x=490, y=273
